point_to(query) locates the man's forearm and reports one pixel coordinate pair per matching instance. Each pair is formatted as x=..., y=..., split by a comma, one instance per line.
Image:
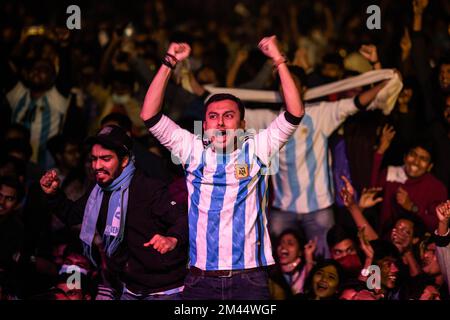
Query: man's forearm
x=155, y=94
x=367, y=96
x=294, y=105
x=442, y=228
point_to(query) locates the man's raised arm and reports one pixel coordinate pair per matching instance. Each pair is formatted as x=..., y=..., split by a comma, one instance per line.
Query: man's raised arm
x=294, y=105
x=155, y=94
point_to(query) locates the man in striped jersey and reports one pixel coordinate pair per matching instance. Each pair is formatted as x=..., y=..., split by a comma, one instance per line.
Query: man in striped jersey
x=303, y=185
x=227, y=182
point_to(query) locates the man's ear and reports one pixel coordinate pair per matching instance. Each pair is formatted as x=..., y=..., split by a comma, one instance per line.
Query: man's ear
x=125, y=161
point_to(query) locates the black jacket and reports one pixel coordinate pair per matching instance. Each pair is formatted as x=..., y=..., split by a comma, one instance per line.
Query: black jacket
x=150, y=211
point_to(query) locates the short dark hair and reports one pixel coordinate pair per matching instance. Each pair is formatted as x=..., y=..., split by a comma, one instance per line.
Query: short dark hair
x=19, y=145
x=122, y=120
x=384, y=249
x=424, y=144
x=57, y=144
x=227, y=96
x=337, y=234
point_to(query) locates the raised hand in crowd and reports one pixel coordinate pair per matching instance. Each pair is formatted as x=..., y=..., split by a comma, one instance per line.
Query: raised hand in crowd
x=50, y=182
x=369, y=198
x=179, y=51
x=301, y=59
x=348, y=196
x=370, y=52
x=402, y=239
x=308, y=252
x=269, y=46
x=387, y=134
x=241, y=57
x=348, y=193
x=443, y=214
x=405, y=45
x=418, y=8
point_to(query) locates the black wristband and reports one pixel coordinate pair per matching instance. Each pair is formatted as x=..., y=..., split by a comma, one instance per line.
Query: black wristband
x=153, y=120
x=292, y=119
x=167, y=64
x=357, y=103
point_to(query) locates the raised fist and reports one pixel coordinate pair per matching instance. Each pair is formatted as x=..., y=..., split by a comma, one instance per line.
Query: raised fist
x=269, y=46
x=179, y=50
x=50, y=182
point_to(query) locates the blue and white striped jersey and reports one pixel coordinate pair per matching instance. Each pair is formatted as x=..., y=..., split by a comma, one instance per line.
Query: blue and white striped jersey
x=228, y=195
x=304, y=182
x=44, y=117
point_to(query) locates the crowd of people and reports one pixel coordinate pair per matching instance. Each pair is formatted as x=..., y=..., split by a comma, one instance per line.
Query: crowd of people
x=335, y=185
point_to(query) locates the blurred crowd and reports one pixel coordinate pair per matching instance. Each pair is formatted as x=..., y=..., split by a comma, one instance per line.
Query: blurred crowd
x=59, y=86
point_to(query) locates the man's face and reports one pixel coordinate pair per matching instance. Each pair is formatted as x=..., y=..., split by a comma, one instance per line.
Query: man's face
x=106, y=165
x=222, y=119
x=8, y=199
x=417, y=162
x=429, y=261
x=342, y=249
x=71, y=156
x=389, y=272
x=331, y=70
x=444, y=77
x=405, y=227
x=41, y=76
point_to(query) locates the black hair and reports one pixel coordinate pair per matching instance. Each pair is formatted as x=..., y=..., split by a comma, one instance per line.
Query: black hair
x=337, y=234
x=19, y=145
x=297, y=235
x=19, y=166
x=333, y=58
x=122, y=120
x=383, y=249
x=227, y=96
x=427, y=145
x=14, y=183
x=22, y=129
x=58, y=143
x=123, y=77
x=418, y=225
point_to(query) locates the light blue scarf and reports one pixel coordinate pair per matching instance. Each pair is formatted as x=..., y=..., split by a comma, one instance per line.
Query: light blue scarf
x=117, y=211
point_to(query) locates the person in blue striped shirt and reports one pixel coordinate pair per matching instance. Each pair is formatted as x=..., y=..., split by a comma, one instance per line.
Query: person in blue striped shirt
x=227, y=179
x=303, y=184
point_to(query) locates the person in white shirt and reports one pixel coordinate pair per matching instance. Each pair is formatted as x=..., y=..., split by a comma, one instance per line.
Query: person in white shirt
x=303, y=184
x=227, y=182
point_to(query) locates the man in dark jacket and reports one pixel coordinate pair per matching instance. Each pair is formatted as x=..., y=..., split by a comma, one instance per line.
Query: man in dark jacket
x=119, y=215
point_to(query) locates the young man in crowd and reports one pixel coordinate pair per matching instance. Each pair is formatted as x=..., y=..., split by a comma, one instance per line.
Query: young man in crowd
x=227, y=182
x=118, y=216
